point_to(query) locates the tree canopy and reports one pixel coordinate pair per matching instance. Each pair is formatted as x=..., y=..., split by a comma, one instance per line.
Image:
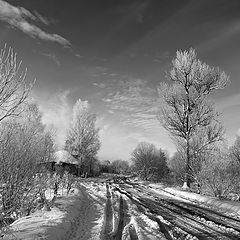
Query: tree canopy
x=82, y=138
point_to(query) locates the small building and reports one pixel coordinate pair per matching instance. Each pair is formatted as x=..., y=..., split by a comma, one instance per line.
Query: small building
x=62, y=162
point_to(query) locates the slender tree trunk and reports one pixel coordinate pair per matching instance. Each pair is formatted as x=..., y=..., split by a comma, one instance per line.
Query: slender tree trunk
x=80, y=168
x=186, y=183
x=90, y=169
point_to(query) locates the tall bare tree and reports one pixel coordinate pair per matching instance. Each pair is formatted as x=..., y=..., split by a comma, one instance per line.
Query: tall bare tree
x=186, y=111
x=83, y=139
x=13, y=87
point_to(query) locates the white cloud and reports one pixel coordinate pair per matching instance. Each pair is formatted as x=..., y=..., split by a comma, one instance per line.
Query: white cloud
x=42, y=19
x=57, y=112
x=238, y=132
x=221, y=36
x=100, y=85
x=161, y=56
x=135, y=108
x=228, y=102
x=136, y=103
x=18, y=18
x=115, y=144
x=111, y=111
x=53, y=57
x=229, y=107
x=118, y=142
x=78, y=55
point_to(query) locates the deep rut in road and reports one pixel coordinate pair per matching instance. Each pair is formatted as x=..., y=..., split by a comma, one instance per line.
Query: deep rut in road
x=122, y=221
x=181, y=220
x=108, y=222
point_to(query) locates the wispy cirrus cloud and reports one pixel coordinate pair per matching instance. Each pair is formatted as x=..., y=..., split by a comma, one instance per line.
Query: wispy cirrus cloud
x=53, y=57
x=100, y=85
x=221, y=36
x=42, y=19
x=22, y=19
x=135, y=102
x=229, y=107
x=135, y=10
x=228, y=102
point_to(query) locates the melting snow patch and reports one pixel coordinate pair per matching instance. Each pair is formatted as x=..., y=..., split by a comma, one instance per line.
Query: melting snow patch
x=149, y=222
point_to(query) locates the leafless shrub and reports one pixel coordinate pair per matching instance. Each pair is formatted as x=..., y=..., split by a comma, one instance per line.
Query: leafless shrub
x=149, y=162
x=68, y=181
x=220, y=175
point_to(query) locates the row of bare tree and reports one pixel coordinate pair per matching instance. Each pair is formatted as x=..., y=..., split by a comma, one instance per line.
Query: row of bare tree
x=117, y=166
x=24, y=141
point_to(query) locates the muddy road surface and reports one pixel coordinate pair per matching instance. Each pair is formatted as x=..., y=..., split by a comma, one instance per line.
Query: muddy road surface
x=135, y=211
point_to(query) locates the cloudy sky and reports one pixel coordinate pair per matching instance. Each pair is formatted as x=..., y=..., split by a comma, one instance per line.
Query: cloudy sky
x=114, y=54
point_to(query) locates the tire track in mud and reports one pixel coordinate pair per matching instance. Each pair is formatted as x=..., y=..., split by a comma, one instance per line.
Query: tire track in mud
x=189, y=209
x=163, y=228
x=133, y=232
x=177, y=216
x=118, y=235
x=123, y=220
x=108, y=221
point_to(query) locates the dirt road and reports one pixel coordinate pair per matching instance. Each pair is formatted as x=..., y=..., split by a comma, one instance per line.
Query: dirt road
x=108, y=209
x=140, y=206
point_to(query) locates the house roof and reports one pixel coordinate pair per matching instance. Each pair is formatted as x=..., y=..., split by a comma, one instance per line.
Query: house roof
x=64, y=156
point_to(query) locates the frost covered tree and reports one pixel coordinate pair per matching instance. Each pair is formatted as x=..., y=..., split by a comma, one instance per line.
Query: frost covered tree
x=83, y=138
x=13, y=87
x=235, y=150
x=24, y=144
x=149, y=162
x=220, y=174
x=186, y=111
x=120, y=166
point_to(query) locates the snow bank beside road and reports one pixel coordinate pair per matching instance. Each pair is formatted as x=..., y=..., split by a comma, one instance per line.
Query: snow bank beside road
x=223, y=205
x=36, y=225
x=78, y=215
x=232, y=207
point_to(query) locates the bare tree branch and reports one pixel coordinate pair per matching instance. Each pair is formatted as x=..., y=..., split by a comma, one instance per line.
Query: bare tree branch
x=13, y=87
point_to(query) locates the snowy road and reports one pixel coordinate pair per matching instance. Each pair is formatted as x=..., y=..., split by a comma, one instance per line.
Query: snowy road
x=77, y=216
x=85, y=224
x=123, y=210
x=174, y=217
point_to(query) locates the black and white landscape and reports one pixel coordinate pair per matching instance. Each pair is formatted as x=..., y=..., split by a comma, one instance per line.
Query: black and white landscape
x=119, y=119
